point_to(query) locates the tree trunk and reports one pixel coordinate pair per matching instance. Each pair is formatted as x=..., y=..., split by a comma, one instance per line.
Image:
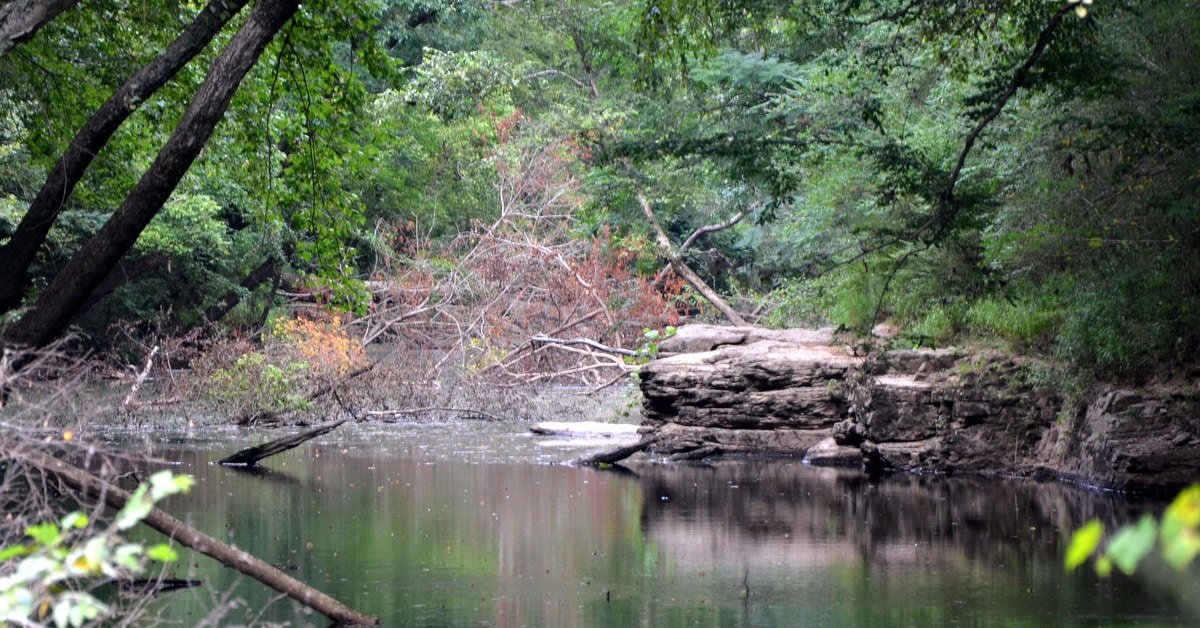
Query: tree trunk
x=268, y=270
x=20, y=19
x=85, y=483
x=18, y=253
x=250, y=456
x=616, y=455
x=62, y=299
x=683, y=269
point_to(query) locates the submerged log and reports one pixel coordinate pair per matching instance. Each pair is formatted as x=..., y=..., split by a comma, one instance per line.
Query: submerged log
x=87, y=484
x=250, y=456
x=616, y=455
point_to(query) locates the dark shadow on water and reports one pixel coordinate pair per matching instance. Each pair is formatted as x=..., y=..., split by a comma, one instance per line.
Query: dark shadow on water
x=267, y=474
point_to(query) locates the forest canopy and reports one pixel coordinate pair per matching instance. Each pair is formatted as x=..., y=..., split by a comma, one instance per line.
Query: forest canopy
x=1022, y=173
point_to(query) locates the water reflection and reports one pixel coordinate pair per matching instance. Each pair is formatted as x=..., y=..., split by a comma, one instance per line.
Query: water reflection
x=833, y=547
x=468, y=525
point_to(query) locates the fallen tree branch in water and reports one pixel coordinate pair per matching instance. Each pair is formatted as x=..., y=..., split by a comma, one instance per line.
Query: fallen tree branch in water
x=130, y=400
x=91, y=486
x=582, y=341
x=616, y=455
x=251, y=455
x=469, y=412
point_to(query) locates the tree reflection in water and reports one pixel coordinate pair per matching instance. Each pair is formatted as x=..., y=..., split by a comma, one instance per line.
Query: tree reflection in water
x=471, y=524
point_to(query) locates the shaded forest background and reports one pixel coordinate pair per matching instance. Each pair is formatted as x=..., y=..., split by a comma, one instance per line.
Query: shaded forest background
x=508, y=179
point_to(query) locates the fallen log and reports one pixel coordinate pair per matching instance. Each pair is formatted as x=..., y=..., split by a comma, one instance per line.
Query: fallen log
x=87, y=484
x=592, y=429
x=616, y=455
x=699, y=453
x=250, y=456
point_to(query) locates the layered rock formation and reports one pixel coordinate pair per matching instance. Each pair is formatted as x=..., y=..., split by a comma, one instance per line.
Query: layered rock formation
x=748, y=390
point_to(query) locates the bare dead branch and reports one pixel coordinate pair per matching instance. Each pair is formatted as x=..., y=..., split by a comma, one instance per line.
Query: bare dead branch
x=93, y=487
x=682, y=268
x=582, y=341
x=127, y=404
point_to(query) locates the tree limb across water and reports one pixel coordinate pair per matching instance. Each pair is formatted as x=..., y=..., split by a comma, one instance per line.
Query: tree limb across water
x=87, y=484
x=252, y=455
x=616, y=455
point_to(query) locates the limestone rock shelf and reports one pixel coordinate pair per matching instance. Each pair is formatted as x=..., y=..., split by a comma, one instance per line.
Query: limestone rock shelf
x=796, y=392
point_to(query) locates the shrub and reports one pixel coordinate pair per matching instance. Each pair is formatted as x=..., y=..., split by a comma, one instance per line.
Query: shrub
x=1027, y=322
x=1125, y=318
x=297, y=358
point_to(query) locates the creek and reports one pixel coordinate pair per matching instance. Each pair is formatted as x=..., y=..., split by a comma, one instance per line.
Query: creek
x=473, y=524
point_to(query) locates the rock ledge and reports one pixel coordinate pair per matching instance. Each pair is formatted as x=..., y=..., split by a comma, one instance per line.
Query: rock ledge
x=793, y=392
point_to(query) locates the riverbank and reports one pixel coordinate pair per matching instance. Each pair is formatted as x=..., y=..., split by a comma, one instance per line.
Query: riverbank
x=947, y=411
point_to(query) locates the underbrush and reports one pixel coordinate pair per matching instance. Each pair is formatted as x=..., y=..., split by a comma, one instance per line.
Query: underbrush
x=1126, y=319
x=289, y=375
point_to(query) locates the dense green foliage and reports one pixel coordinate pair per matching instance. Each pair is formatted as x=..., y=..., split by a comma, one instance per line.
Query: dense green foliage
x=916, y=175
x=1007, y=171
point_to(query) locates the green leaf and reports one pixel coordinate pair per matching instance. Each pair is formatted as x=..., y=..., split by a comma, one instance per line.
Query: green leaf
x=164, y=484
x=91, y=560
x=1180, y=532
x=128, y=556
x=1179, y=543
x=16, y=550
x=1104, y=566
x=76, y=520
x=1084, y=542
x=1133, y=543
x=46, y=534
x=163, y=553
x=136, y=509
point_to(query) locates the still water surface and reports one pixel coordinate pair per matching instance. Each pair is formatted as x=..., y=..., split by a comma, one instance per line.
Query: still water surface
x=473, y=524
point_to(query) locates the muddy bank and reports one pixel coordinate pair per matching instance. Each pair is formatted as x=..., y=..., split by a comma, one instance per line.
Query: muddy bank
x=744, y=390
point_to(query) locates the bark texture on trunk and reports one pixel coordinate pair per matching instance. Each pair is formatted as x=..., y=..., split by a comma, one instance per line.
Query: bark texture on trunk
x=19, y=252
x=69, y=290
x=20, y=19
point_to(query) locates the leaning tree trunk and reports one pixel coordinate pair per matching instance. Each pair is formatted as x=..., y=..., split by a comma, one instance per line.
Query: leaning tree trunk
x=683, y=269
x=69, y=290
x=18, y=253
x=20, y=19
